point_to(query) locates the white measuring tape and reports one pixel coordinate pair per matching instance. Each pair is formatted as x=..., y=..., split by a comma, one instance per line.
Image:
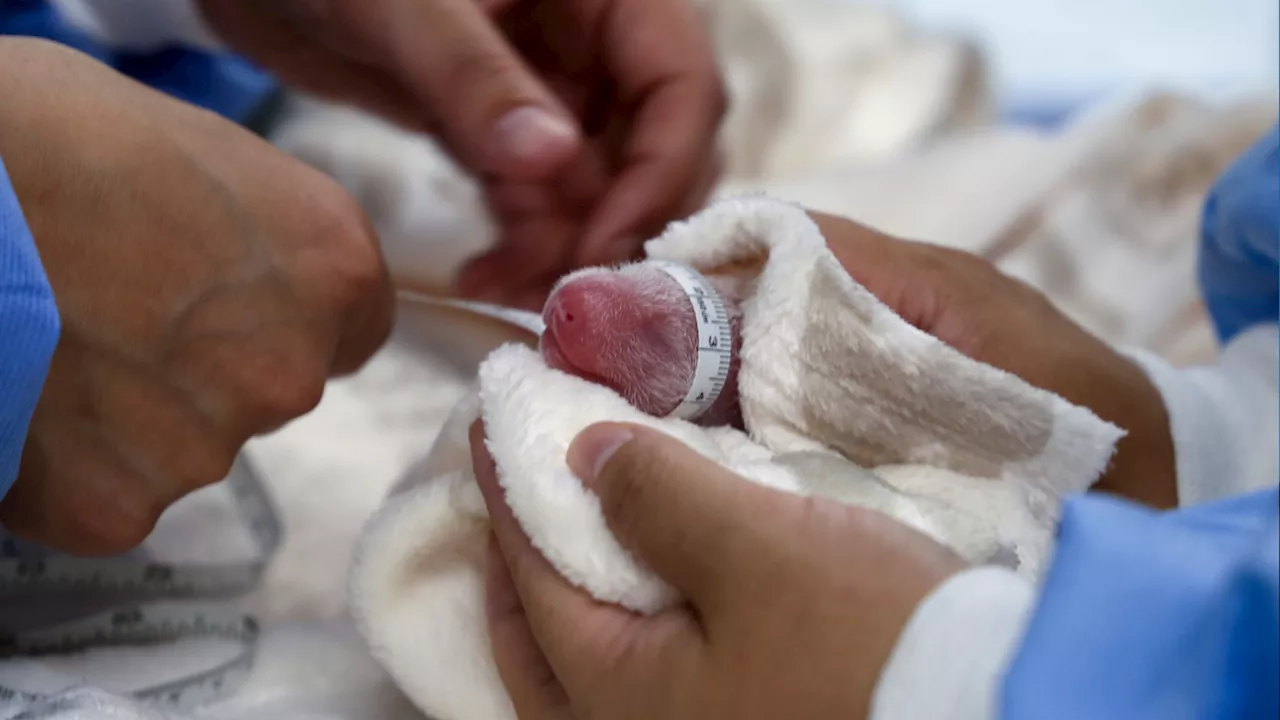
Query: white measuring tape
x=715, y=340
x=520, y=318
x=138, y=603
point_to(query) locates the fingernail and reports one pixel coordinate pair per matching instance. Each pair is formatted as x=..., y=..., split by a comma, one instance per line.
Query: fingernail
x=593, y=448
x=532, y=133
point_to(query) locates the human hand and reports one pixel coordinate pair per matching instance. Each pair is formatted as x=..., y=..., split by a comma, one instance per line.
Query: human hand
x=207, y=285
x=591, y=122
x=794, y=604
x=966, y=302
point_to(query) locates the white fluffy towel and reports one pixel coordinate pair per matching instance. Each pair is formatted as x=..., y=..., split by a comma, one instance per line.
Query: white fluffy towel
x=832, y=382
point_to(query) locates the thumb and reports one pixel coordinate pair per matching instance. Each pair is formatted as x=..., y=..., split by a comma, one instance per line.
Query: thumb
x=700, y=527
x=496, y=114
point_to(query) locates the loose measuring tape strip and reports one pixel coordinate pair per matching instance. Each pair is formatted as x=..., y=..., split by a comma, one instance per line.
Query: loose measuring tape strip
x=159, y=606
x=715, y=335
x=715, y=340
x=520, y=318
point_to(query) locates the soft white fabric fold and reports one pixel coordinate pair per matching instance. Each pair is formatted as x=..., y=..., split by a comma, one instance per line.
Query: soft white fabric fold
x=1224, y=417
x=832, y=382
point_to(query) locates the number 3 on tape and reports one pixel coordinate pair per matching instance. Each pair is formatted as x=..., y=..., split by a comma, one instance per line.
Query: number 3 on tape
x=711, y=370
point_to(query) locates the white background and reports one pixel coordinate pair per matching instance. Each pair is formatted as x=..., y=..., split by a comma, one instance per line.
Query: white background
x=1055, y=52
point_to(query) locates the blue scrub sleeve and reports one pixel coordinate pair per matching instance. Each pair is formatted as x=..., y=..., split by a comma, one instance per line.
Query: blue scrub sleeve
x=1238, y=272
x=1155, y=615
x=1172, y=615
x=29, y=329
x=218, y=81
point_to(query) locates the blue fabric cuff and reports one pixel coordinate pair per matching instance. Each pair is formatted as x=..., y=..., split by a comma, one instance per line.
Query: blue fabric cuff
x=1240, y=240
x=218, y=81
x=1155, y=615
x=29, y=330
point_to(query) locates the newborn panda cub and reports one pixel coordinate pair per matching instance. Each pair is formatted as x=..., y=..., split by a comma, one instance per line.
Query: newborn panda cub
x=633, y=329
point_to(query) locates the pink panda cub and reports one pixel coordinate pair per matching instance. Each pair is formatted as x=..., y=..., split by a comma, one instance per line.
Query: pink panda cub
x=633, y=329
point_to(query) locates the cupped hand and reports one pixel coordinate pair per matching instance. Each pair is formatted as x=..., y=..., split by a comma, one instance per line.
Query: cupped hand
x=966, y=302
x=591, y=122
x=207, y=284
x=793, y=604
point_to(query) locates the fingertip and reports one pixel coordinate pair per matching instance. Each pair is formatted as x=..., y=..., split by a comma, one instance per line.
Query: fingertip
x=486, y=471
x=367, y=329
x=534, y=142
x=535, y=242
x=475, y=435
x=495, y=111
x=669, y=164
x=592, y=449
x=631, y=209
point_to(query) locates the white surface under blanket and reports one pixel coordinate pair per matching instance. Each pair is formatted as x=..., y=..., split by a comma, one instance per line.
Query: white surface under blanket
x=832, y=382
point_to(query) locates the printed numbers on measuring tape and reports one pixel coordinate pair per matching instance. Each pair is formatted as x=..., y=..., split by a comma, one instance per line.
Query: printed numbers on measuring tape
x=715, y=340
x=164, y=603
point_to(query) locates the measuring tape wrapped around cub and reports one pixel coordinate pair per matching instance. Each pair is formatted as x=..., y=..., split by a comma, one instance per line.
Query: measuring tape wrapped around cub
x=661, y=335
x=822, y=390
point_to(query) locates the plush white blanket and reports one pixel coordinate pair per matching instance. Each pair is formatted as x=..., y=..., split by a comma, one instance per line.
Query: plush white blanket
x=832, y=382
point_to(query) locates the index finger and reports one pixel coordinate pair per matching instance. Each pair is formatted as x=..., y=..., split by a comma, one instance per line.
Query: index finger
x=661, y=59
x=577, y=634
x=603, y=655
x=538, y=583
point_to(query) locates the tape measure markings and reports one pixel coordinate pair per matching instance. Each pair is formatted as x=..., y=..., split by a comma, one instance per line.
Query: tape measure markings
x=715, y=340
x=158, y=617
